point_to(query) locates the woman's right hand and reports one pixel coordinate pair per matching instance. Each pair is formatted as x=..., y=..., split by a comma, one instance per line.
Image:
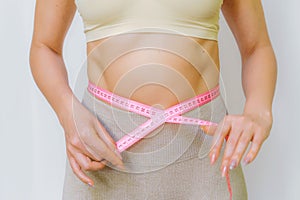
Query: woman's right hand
x=87, y=142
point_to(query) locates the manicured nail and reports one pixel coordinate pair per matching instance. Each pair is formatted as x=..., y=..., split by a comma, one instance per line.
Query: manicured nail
x=118, y=154
x=224, y=171
x=121, y=166
x=232, y=165
x=213, y=157
x=246, y=161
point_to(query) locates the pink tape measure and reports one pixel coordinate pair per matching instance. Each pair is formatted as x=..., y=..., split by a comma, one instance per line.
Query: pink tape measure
x=156, y=116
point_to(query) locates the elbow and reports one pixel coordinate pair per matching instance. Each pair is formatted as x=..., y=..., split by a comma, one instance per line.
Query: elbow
x=262, y=50
x=32, y=54
x=38, y=50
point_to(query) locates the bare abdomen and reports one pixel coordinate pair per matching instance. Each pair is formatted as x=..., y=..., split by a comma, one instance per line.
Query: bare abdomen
x=165, y=73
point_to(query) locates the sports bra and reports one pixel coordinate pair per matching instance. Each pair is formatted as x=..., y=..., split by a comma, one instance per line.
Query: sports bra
x=104, y=18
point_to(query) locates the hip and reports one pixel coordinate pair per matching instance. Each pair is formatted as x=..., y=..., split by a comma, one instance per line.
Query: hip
x=166, y=144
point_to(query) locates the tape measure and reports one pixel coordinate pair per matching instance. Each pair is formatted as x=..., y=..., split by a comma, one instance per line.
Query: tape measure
x=156, y=116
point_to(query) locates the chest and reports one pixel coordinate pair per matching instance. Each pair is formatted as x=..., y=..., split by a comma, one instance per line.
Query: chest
x=99, y=10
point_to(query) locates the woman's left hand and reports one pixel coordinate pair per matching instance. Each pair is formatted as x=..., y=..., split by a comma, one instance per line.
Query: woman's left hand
x=239, y=131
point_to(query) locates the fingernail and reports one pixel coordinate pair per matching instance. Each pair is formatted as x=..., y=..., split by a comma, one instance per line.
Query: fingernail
x=224, y=171
x=213, y=157
x=121, y=166
x=246, y=161
x=90, y=184
x=232, y=165
x=204, y=128
x=116, y=151
x=118, y=154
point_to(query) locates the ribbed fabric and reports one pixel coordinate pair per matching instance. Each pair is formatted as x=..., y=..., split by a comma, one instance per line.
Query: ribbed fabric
x=104, y=18
x=170, y=163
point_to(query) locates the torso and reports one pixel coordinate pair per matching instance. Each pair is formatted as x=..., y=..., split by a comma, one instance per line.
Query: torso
x=174, y=80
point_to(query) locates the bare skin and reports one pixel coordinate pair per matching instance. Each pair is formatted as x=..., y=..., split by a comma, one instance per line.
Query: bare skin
x=134, y=75
x=87, y=142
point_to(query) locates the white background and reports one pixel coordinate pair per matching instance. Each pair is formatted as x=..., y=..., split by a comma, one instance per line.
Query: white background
x=32, y=152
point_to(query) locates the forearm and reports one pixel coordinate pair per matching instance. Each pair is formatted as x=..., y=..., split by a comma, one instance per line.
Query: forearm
x=259, y=76
x=50, y=75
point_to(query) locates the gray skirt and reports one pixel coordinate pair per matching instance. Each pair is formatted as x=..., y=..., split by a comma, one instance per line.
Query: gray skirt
x=171, y=162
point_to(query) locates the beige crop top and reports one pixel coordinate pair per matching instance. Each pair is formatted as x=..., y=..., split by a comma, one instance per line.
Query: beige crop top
x=196, y=18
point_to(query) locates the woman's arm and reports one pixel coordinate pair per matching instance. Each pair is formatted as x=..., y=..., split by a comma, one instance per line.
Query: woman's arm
x=52, y=20
x=87, y=141
x=259, y=72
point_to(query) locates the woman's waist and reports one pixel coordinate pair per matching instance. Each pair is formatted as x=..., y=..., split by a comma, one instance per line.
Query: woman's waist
x=156, y=94
x=153, y=79
x=164, y=144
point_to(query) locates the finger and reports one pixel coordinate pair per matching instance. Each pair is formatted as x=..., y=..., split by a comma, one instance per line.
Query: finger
x=222, y=130
x=241, y=148
x=80, y=174
x=231, y=144
x=255, y=147
x=107, y=138
x=76, y=147
x=98, y=165
x=209, y=129
x=96, y=146
x=101, y=150
x=86, y=163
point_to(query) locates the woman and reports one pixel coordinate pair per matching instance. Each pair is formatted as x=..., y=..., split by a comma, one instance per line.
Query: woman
x=158, y=54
